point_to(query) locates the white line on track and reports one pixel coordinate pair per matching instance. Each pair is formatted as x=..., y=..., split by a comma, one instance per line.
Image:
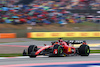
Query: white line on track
x=18, y=57
x=28, y=56
x=95, y=54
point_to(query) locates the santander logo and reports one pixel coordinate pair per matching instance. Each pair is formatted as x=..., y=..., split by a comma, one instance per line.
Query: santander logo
x=55, y=51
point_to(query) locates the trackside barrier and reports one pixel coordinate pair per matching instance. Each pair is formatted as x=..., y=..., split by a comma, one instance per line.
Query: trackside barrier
x=28, y=35
x=7, y=35
x=62, y=34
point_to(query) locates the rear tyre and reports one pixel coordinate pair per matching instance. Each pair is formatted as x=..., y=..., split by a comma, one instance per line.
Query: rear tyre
x=32, y=48
x=84, y=50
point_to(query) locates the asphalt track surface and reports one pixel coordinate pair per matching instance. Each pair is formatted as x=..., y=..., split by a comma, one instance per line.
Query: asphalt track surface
x=47, y=59
x=41, y=43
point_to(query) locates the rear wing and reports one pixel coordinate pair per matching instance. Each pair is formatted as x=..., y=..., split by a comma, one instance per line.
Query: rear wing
x=75, y=42
x=71, y=42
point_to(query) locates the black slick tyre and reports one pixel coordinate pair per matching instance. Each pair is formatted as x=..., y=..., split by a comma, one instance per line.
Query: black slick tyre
x=32, y=48
x=32, y=55
x=84, y=50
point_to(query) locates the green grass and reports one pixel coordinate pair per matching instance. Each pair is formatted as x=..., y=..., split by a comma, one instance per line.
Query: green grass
x=20, y=54
x=95, y=51
x=10, y=55
x=13, y=42
x=84, y=23
x=89, y=23
x=69, y=38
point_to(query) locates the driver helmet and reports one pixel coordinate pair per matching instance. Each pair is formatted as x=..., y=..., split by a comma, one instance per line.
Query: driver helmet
x=84, y=42
x=60, y=40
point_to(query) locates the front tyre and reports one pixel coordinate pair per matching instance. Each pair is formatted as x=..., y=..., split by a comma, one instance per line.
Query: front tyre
x=32, y=48
x=84, y=50
x=32, y=55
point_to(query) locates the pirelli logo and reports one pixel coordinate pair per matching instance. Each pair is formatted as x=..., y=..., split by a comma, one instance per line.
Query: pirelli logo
x=62, y=34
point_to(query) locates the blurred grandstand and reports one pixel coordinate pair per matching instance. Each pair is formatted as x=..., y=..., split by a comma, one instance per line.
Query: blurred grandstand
x=68, y=4
x=49, y=12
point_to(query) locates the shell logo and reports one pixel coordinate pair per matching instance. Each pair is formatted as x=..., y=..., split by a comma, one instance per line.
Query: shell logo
x=69, y=49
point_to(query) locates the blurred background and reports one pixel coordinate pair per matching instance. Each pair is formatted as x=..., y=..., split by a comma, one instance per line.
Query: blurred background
x=23, y=16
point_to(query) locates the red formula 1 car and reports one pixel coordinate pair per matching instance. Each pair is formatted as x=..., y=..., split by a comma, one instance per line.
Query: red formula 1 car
x=59, y=48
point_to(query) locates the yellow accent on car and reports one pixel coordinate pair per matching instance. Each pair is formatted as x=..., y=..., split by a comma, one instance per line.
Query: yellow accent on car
x=69, y=49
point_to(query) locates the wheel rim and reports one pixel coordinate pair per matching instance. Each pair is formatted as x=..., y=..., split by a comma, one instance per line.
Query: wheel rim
x=59, y=50
x=87, y=50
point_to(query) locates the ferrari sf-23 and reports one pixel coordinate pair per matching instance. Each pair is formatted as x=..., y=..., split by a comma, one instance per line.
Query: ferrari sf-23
x=58, y=48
